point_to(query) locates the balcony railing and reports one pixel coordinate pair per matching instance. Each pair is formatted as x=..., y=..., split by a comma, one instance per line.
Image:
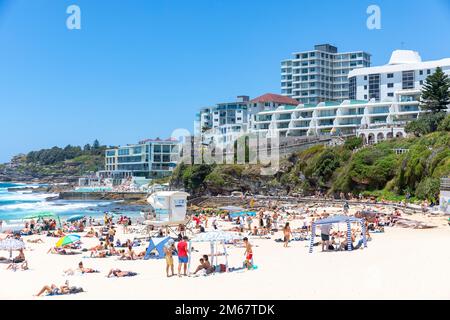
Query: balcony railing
x=445, y=184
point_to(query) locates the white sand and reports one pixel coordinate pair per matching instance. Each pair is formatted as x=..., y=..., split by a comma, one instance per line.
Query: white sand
x=398, y=264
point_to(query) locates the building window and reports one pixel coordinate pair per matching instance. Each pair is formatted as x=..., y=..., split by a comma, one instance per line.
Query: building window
x=390, y=85
x=421, y=82
x=365, y=78
x=408, y=80
x=390, y=94
x=428, y=71
x=365, y=87
x=390, y=75
x=421, y=72
x=374, y=86
x=124, y=152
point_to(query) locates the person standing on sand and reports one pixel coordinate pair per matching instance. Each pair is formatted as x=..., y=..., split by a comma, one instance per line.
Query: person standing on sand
x=168, y=250
x=182, y=256
x=249, y=222
x=287, y=234
x=325, y=236
x=248, y=263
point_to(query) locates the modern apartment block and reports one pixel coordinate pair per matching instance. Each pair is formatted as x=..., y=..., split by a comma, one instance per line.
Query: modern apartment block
x=328, y=118
x=225, y=122
x=321, y=74
x=405, y=72
x=149, y=158
x=382, y=100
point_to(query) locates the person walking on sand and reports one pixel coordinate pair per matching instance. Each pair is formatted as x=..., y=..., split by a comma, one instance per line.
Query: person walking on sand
x=168, y=250
x=248, y=254
x=287, y=234
x=182, y=256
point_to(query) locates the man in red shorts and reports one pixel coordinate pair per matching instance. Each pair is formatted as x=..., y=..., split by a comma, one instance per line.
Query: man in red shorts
x=248, y=254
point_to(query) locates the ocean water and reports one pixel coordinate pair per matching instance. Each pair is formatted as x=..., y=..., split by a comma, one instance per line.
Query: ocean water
x=15, y=205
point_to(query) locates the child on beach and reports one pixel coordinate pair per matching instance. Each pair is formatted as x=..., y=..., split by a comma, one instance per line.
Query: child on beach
x=248, y=254
x=168, y=250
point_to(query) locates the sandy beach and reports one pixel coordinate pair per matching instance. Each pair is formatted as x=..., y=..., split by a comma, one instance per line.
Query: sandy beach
x=398, y=264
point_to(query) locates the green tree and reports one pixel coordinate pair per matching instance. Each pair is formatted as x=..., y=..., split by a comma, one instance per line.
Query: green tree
x=87, y=147
x=435, y=95
x=445, y=124
x=425, y=123
x=96, y=144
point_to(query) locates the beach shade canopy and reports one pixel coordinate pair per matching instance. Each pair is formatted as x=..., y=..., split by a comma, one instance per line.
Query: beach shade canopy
x=158, y=245
x=243, y=213
x=217, y=236
x=232, y=208
x=11, y=244
x=40, y=215
x=339, y=219
x=75, y=218
x=66, y=240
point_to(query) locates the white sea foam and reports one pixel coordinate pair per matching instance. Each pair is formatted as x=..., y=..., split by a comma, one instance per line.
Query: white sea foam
x=46, y=206
x=19, y=196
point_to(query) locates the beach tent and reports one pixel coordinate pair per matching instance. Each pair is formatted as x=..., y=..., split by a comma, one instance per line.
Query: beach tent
x=339, y=219
x=158, y=245
x=215, y=238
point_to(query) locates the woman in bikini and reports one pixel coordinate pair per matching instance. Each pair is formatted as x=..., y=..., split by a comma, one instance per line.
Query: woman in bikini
x=287, y=234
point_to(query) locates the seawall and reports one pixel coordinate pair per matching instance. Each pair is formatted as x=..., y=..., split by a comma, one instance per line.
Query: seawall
x=72, y=195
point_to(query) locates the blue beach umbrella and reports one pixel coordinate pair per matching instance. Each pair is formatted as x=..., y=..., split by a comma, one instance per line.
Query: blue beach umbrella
x=75, y=218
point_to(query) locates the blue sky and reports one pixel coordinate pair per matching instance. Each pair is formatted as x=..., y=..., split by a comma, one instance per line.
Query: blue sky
x=141, y=68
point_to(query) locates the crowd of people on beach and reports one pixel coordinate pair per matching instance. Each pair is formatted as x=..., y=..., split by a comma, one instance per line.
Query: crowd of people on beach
x=267, y=221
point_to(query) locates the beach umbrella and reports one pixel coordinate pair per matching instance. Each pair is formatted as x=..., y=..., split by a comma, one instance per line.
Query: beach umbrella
x=11, y=244
x=39, y=215
x=64, y=241
x=75, y=217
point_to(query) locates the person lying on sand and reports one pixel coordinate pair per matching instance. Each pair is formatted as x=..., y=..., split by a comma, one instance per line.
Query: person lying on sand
x=98, y=254
x=38, y=240
x=15, y=267
x=53, y=290
x=119, y=273
x=20, y=257
x=81, y=269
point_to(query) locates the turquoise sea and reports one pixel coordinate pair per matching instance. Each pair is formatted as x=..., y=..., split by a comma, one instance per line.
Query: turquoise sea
x=15, y=205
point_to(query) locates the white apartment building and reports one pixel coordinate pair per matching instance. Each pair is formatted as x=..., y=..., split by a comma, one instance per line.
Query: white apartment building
x=226, y=122
x=405, y=73
x=383, y=100
x=321, y=74
x=328, y=118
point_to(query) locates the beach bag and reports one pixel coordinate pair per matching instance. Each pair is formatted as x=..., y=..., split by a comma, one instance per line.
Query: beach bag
x=222, y=268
